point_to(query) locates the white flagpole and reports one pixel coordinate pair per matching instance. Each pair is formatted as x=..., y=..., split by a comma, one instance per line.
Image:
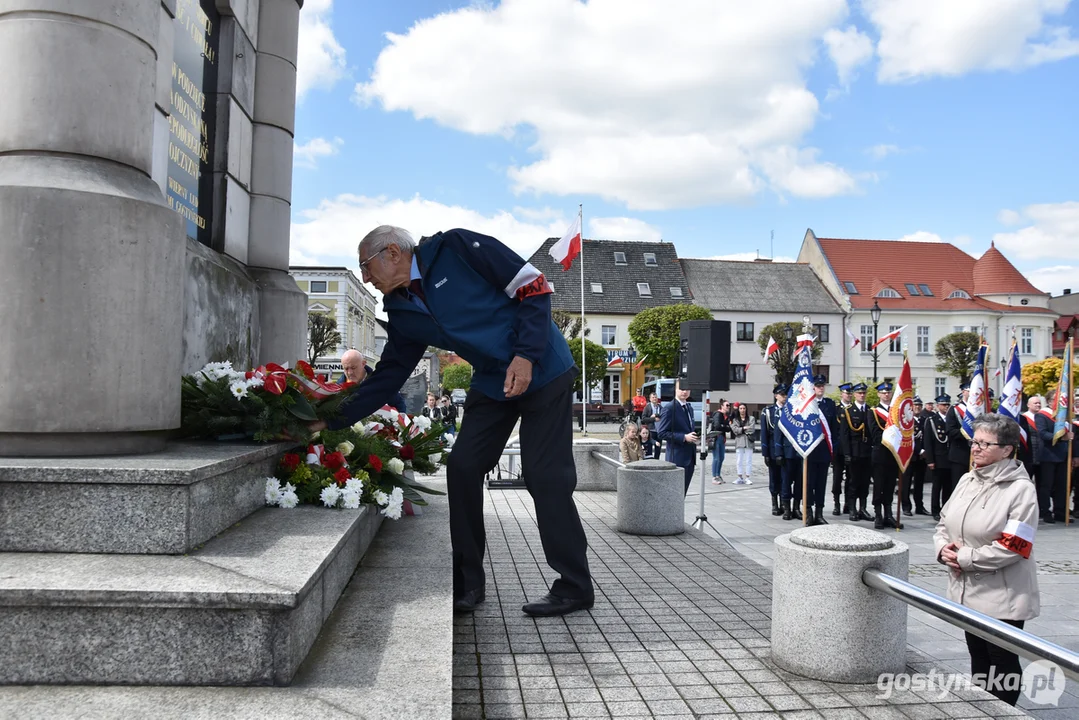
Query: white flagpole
x=584, y=363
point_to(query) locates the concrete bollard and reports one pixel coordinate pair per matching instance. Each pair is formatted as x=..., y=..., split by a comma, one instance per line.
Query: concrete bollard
x=651, y=498
x=593, y=474
x=826, y=623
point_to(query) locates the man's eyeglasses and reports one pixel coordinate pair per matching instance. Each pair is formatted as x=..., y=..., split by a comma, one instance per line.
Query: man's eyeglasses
x=983, y=445
x=363, y=264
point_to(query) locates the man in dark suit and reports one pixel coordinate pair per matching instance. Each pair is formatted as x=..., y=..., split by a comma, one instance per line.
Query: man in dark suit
x=885, y=469
x=676, y=428
x=958, y=443
x=839, y=464
x=857, y=451
x=651, y=415
x=914, y=478
x=936, y=443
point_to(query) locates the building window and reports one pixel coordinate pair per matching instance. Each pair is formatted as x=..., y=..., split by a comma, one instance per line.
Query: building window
x=676, y=292
x=650, y=259
x=1026, y=341
x=822, y=333
x=738, y=373
x=619, y=258
x=318, y=286
x=889, y=293
x=644, y=289
x=597, y=288
x=925, y=290
x=608, y=334
x=923, y=339
x=824, y=370
x=895, y=344
x=744, y=332
x=959, y=328
x=959, y=295
x=851, y=290
x=912, y=289
x=940, y=386
x=867, y=338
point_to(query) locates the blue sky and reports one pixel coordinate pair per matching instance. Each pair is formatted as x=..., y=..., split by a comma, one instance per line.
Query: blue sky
x=708, y=124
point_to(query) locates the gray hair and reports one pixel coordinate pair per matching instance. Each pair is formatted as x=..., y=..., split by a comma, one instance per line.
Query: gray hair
x=385, y=235
x=1039, y=398
x=1003, y=428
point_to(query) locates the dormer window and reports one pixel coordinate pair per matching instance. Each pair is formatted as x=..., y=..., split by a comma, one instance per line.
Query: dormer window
x=650, y=260
x=925, y=290
x=850, y=288
x=644, y=289
x=619, y=258
x=597, y=288
x=959, y=295
x=889, y=293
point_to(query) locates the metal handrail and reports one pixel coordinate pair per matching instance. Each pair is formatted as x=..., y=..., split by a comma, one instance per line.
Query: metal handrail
x=989, y=629
x=607, y=459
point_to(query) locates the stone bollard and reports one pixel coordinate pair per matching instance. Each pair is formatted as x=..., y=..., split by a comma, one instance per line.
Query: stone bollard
x=593, y=474
x=826, y=623
x=651, y=498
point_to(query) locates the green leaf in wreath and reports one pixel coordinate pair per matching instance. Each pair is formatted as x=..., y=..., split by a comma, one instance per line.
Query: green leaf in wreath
x=302, y=409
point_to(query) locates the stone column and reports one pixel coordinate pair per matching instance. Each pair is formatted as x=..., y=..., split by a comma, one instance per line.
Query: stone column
x=91, y=258
x=282, y=305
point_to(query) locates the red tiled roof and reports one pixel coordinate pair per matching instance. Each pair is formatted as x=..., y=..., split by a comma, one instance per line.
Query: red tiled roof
x=872, y=264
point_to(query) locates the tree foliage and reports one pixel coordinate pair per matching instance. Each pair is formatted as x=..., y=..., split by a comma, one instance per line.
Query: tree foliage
x=1042, y=376
x=957, y=353
x=655, y=333
x=783, y=362
x=569, y=324
x=458, y=375
x=595, y=364
x=322, y=335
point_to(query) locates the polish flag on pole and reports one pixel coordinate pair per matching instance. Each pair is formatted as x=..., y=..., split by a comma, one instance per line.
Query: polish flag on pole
x=640, y=362
x=854, y=341
x=616, y=361
x=890, y=336
x=747, y=367
x=569, y=247
x=772, y=349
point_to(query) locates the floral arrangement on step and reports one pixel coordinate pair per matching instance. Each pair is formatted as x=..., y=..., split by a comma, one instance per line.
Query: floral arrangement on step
x=372, y=462
x=270, y=402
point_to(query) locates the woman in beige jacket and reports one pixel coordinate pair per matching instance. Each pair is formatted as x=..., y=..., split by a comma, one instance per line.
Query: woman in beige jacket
x=986, y=538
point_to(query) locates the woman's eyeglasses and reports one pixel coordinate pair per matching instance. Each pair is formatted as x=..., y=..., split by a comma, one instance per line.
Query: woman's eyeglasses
x=983, y=445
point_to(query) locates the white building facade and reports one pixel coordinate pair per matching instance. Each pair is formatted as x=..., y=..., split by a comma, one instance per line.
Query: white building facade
x=338, y=292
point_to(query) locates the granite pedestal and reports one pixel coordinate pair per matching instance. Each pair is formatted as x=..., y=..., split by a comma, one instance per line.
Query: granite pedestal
x=827, y=624
x=593, y=474
x=650, y=498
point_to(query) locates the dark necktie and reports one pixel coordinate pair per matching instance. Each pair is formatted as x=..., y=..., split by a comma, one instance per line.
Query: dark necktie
x=689, y=413
x=416, y=288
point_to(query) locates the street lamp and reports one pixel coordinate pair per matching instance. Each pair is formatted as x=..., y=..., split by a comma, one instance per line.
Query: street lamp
x=631, y=354
x=788, y=332
x=875, y=315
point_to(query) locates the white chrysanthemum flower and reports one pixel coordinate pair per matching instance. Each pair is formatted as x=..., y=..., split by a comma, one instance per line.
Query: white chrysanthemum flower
x=273, y=491
x=288, y=499
x=253, y=382
x=423, y=423
x=395, y=465
x=381, y=498
x=435, y=459
x=239, y=389
x=346, y=448
x=395, y=504
x=330, y=495
x=354, y=485
x=288, y=487
x=350, y=500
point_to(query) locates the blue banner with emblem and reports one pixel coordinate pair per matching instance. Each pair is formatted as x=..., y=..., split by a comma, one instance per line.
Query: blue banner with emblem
x=800, y=419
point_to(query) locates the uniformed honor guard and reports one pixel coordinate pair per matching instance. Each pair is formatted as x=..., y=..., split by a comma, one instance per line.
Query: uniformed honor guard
x=935, y=440
x=857, y=452
x=914, y=478
x=790, y=464
x=885, y=467
x=769, y=430
x=958, y=443
x=839, y=464
x=823, y=455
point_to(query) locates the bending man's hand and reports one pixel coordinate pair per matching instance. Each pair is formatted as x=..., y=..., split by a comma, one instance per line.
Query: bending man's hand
x=518, y=377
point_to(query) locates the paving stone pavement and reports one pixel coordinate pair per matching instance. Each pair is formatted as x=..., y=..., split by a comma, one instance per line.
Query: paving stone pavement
x=680, y=629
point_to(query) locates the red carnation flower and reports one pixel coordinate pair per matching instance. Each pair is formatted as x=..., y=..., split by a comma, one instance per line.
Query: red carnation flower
x=341, y=476
x=333, y=461
x=374, y=463
x=290, y=462
x=407, y=452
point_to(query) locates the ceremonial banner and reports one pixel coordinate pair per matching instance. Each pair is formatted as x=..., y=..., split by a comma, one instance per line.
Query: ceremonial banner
x=1062, y=405
x=1011, y=395
x=978, y=399
x=899, y=433
x=800, y=419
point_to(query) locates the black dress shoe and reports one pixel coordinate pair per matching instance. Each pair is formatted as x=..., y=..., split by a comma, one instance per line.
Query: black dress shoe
x=1048, y=517
x=467, y=602
x=936, y=516
x=908, y=513
x=550, y=605
x=921, y=511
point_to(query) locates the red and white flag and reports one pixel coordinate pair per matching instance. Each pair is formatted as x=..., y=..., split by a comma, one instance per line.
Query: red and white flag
x=772, y=349
x=640, y=362
x=569, y=247
x=854, y=340
x=890, y=336
x=616, y=361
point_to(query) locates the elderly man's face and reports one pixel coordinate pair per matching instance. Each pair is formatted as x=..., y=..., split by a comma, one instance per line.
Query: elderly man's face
x=1035, y=404
x=387, y=269
x=354, y=369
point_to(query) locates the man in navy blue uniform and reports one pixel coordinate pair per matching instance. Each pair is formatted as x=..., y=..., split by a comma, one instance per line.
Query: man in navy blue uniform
x=824, y=454
x=469, y=293
x=769, y=428
x=839, y=464
x=885, y=467
x=857, y=451
x=676, y=428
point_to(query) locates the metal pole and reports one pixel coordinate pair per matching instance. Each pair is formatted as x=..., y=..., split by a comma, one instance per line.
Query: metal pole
x=607, y=459
x=875, y=351
x=584, y=360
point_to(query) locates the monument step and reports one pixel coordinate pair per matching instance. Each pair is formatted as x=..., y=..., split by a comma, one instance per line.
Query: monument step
x=168, y=502
x=244, y=609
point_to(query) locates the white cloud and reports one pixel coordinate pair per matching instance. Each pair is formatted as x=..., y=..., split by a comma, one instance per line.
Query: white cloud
x=922, y=236
x=1009, y=217
x=1053, y=234
x=320, y=59
x=1055, y=279
x=656, y=105
x=879, y=152
x=848, y=49
x=926, y=38
x=623, y=228
x=307, y=155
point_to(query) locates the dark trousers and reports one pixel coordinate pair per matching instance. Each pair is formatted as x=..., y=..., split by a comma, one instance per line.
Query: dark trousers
x=914, y=485
x=1053, y=488
x=689, y=474
x=860, y=471
x=958, y=471
x=839, y=469
x=817, y=482
x=885, y=477
x=775, y=478
x=942, y=488
x=992, y=661
x=792, y=479
x=549, y=474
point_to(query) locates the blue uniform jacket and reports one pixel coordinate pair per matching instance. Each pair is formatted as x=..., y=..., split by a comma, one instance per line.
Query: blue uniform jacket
x=784, y=448
x=485, y=303
x=1050, y=453
x=769, y=428
x=672, y=427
